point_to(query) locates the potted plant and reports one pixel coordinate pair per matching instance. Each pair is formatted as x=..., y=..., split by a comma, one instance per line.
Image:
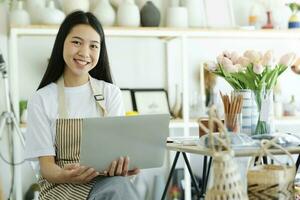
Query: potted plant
x=256, y=72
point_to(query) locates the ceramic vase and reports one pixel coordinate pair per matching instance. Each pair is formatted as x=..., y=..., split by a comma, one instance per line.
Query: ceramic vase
x=116, y=3
x=128, y=14
x=35, y=8
x=51, y=15
x=71, y=5
x=93, y=4
x=19, y=16
x=105, y=13
x=150, y=15
x=141, y=3
x=294, y=21
x=174, y=3
x=177, y=17
x=269, y=24
x=194, y=12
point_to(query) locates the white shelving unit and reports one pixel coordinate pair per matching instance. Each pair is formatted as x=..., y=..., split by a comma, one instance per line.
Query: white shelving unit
x=163, y=33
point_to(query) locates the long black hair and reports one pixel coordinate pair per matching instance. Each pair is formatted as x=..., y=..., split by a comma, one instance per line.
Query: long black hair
x=56, y=63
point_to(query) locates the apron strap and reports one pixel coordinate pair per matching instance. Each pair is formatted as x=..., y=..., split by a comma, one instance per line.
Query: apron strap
x=62, y=111
x=97, y=93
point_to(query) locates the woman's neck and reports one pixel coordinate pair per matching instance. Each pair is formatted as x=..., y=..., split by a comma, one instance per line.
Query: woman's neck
x=73, y=80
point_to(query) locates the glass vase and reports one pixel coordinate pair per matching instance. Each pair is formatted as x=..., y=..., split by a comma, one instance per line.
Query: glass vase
x=264, y=102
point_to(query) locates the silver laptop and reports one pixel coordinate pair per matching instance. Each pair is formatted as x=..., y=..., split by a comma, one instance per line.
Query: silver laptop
x=142, y=138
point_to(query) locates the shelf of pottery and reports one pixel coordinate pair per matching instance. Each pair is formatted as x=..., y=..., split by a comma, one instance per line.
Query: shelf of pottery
x=165, y=33
x=141, y=19
x=123, y=13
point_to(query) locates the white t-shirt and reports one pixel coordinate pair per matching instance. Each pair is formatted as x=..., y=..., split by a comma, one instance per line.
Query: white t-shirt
x=80, y=103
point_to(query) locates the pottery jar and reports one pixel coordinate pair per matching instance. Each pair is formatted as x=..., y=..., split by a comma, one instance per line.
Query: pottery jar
x=105, y=13
x=34, y=8
x=51, y=15
x=71, y=5
x=150, y=15
x=19, y=16
x=128, y=14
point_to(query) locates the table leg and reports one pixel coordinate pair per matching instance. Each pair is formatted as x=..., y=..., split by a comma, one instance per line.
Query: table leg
x=207, y=175
x=170, y=175
x=203, y=175
x=297, y=163
x=191, y=173
x=265, y=160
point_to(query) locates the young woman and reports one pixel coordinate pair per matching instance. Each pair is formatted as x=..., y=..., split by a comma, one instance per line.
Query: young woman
x=77, y=84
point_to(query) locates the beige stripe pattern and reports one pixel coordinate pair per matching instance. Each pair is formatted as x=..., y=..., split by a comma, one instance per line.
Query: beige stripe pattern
x=67, y=146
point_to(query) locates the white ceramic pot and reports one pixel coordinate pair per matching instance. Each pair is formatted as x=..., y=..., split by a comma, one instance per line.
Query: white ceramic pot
x=174, y=3
x=116, y=3
x=140, y=3
x=195, y=12
x=34, y=8
x=177, y=17
x=51, y=15
x=128, y=14
x=71, y=5
x=19, y=16
x=105, y=13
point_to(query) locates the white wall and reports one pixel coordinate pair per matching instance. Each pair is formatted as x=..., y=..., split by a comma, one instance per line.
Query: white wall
x=140, y=63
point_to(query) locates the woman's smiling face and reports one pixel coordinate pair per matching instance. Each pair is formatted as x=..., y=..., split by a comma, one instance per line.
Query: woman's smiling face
x=81, y=50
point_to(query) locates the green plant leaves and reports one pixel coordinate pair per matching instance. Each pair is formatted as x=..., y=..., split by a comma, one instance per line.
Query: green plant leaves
x=249, y=79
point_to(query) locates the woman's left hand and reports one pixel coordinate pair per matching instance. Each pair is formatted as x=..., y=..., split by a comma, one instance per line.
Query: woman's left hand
x=120, y=168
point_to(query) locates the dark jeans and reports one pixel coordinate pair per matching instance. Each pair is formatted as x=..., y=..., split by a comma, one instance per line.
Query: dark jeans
x=113, y=188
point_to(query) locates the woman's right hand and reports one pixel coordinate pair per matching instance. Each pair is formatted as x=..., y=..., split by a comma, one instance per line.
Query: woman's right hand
x=71, y=173
x=76, y=173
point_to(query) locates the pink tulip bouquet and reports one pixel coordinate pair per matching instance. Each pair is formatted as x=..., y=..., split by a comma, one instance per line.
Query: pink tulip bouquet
x=253, y=70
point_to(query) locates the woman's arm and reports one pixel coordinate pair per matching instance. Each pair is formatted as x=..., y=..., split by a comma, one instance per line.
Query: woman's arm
x=71, y=173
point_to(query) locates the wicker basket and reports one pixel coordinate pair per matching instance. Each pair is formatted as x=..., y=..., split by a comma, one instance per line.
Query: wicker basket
x=227, y=184
x=276, y=181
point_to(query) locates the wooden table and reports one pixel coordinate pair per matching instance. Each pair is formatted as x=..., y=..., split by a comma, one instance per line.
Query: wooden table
x=201, y=150
x=238, y=152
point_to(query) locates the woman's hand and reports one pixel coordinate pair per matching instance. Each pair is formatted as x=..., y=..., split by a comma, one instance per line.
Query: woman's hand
x=76, y=173
x=120, y=168
x=71, y=173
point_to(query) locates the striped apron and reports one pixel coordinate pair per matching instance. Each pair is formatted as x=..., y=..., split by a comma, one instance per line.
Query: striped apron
x=67, y=147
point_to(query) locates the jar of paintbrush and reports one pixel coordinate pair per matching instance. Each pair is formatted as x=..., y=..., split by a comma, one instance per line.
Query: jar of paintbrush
x=232, y=112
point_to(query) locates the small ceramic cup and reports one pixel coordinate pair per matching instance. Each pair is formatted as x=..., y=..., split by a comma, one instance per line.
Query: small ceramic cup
x=177, y=17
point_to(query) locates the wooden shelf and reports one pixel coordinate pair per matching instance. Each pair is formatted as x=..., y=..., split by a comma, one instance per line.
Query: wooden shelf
x=165, y=32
